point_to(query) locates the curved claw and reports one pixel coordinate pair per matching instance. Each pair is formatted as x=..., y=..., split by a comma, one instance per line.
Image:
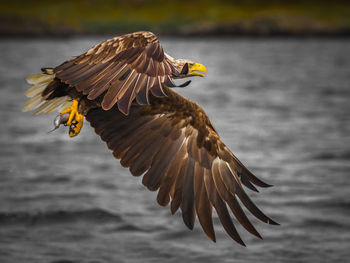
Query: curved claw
x=76, y=125
x=72, y=110
x=75, y=119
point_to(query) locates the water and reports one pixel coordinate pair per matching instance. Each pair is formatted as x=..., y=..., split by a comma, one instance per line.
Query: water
x=282, y=106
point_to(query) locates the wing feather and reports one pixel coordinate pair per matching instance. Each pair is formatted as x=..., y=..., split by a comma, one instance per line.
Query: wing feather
x=161, y=162
x=220, y=206
x=168, y=180
x=142, y=96
x=172, y=142
x=187, y=203
x=203, y=206
x=109, y=69
x=177, y=197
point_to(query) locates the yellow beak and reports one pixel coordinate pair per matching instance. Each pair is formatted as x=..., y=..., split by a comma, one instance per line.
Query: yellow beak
x=196, y=69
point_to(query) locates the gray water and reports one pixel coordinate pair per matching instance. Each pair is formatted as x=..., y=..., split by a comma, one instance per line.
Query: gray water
x=282, y=106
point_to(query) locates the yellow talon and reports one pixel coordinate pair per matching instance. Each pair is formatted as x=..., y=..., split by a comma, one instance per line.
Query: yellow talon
x=75, y=120
x=72, y=110
x=77, y=124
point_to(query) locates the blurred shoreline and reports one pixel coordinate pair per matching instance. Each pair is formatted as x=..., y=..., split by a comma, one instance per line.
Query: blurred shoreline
x=216, y=32
x=269, y=18
x=260, y=28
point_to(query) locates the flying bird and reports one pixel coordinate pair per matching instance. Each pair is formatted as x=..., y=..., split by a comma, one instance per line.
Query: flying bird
x=124, y=88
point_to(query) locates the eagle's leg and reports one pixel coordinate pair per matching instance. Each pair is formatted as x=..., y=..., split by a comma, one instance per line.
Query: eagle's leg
x=75, y=120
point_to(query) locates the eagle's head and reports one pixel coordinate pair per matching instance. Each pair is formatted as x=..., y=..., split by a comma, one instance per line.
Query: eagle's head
x=187, y=68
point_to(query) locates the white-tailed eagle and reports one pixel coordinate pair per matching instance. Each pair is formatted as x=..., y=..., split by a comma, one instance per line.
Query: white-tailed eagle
x=123, y=87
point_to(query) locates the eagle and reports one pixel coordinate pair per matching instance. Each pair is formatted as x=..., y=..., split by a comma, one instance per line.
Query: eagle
x=124, y=87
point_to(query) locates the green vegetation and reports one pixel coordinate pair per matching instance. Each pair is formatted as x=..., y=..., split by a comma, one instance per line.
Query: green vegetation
x=175, y=17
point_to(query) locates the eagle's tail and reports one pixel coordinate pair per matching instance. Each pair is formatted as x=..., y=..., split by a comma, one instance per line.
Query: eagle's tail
x=39, y=94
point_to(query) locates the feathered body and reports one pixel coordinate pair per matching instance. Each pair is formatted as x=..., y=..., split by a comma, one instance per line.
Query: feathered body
x=123, y=89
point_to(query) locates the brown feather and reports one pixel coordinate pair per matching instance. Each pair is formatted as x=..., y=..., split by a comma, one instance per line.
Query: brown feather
x=202, y=204
x=231, y=200
x=106, y=82
x=187, y=204
x=253, y=208
x=172, y=141
x=161, y=162
x=125, y=99
x=157, y=89
x=171, y=174
x=142, y=96
x=143, y=162
x=221, y=209
x=176, y=202
x=105, y=68
x=137, y=148
x=235, y=163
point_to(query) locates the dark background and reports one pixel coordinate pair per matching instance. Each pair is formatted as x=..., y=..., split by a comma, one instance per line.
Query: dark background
x=277, y=91
x=181, y=17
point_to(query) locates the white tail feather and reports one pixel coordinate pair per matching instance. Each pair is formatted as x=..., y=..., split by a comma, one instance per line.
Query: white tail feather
x=33, y=102
x=35, y=90
x=50, y=106
x=40, y=78
x=57, y=104
x=41, y=81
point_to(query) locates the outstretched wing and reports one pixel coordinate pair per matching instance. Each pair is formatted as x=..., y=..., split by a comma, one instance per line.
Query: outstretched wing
x=172, y=142
x=120, y=69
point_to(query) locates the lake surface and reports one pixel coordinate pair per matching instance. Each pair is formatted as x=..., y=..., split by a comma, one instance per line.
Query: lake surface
x=282, y=106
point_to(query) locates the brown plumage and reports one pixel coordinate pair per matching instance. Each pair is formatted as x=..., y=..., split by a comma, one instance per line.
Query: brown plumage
x=120, y=69
x=173, y=143
x=158, y=134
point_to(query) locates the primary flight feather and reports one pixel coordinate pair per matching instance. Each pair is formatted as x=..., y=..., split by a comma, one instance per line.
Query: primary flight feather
x=123, y=87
